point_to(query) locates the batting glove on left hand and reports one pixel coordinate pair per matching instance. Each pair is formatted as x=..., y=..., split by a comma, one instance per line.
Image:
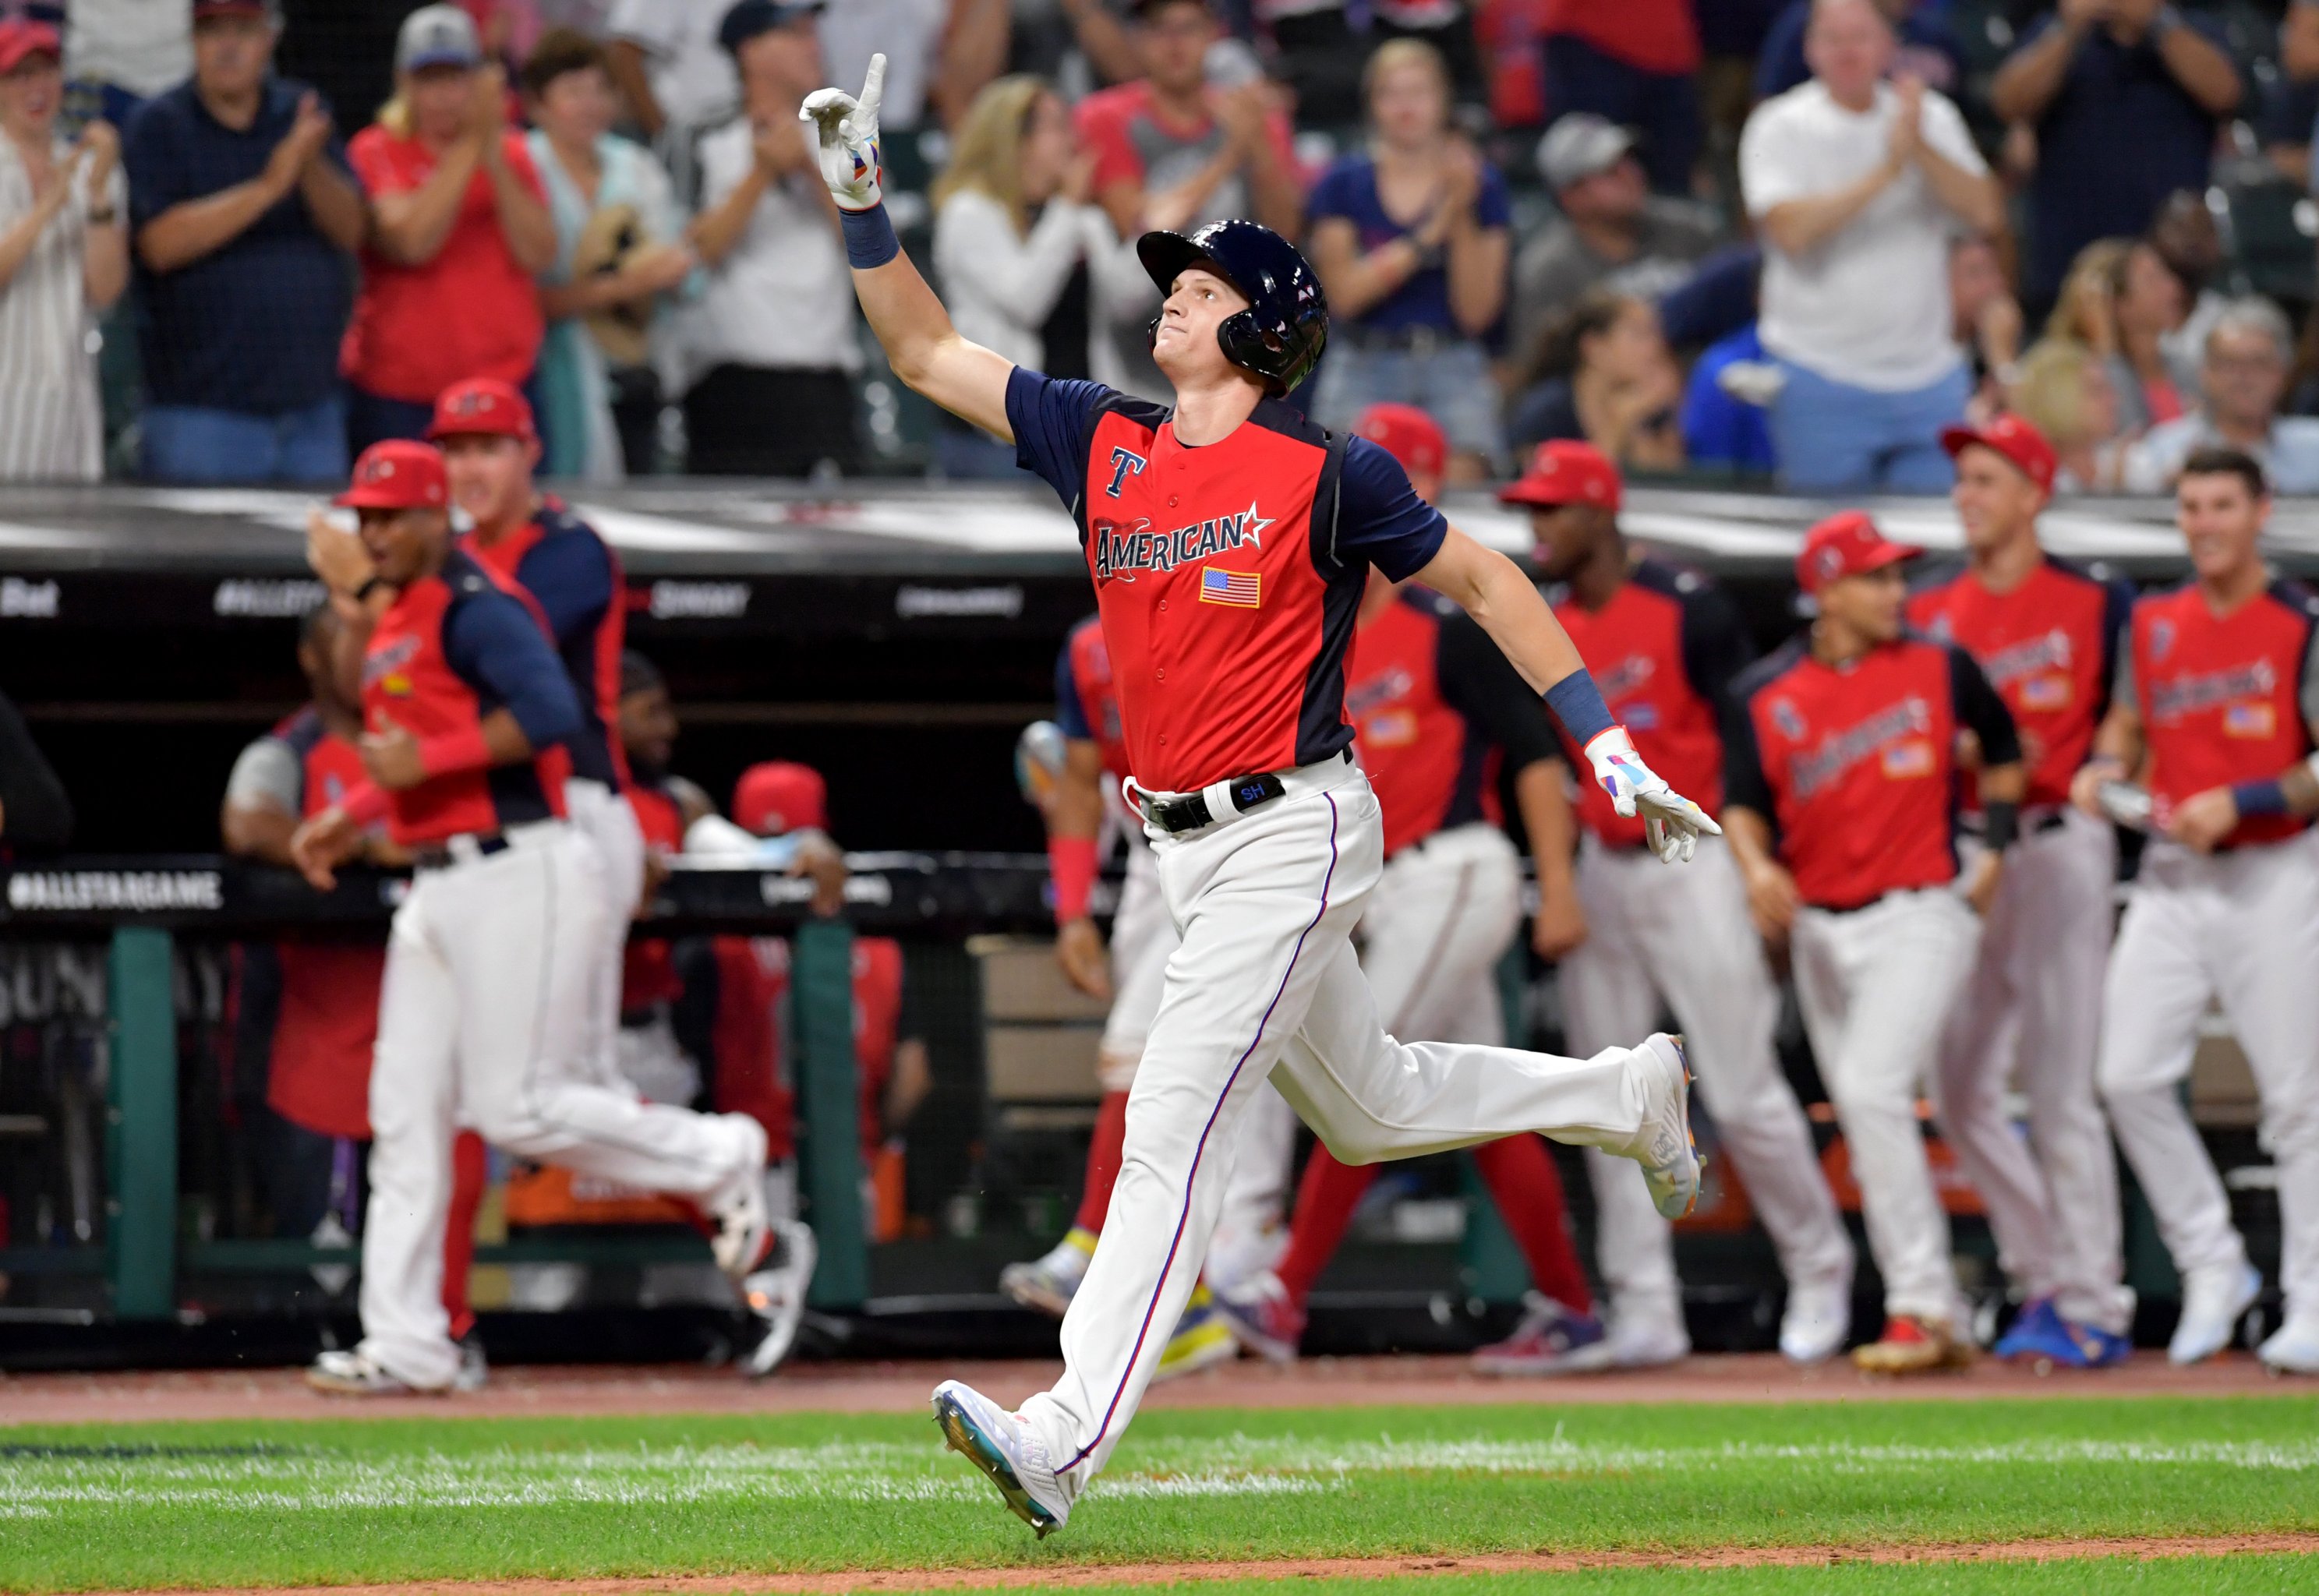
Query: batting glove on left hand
x=1671, y=822
x=847, y=129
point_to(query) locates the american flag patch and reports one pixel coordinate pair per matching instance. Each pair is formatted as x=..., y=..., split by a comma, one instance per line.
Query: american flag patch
x=1242, y=589
x=2249, y=720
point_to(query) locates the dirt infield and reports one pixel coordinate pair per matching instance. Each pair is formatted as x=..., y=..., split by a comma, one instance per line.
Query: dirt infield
x=1167, y=1573
x=903, y=1387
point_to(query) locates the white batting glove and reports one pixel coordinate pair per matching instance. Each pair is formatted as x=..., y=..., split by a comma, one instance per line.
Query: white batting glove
x=848, y=131
x=1671, y=822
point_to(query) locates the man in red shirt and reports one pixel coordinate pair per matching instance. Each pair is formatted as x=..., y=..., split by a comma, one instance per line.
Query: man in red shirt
x=1666, y=644
x=460, y=231
x=1841, y=760
x=485, y=1010
x=2216, y=712
x=1230, y=542
x=2045, y=633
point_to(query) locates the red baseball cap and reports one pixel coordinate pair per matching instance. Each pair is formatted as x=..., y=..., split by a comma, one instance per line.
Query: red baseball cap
x=1565, y=471
x=400, y=474
x=1846, y=543
x=1409, y=435
x=779, y=796
x=2018, y=440
x=481, y=407
x=20, y=37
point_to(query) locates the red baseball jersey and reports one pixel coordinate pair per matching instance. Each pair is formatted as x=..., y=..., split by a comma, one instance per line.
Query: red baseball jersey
x=751, y=1032
x=2050, y=648
x=1854, y=764
x=1227, y=576
x=452, y=648
x=318, y=1073
x=574, y=577
x=1086, y=700
x=1664, y=650
x=1439, y=714
x=2226, y=698
x=648, y=975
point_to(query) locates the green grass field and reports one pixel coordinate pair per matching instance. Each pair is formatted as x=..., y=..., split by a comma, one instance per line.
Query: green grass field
x=247, y=1505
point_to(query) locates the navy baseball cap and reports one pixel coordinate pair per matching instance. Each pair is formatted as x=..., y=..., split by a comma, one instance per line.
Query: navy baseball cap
x=749, y=18
x=437, y=36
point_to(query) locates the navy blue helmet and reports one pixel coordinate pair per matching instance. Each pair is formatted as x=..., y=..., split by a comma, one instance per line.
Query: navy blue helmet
x=1281, y=334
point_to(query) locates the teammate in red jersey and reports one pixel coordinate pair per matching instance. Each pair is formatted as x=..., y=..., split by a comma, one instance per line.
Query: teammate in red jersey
x=2218, y=710
x=487, y=1001
x=1841, y=757
x=1666, y=644
x=2045, y=633
x=1230, y=541
x=1441, y=720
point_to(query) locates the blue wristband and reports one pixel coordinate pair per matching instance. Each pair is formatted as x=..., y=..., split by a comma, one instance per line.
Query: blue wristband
x=1578, y=705
x=2259, y=797
x=870, y=240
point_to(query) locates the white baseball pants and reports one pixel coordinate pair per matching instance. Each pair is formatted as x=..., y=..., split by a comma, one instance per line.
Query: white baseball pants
x=484, y=1018
x=1267, y=983
x=2242, y=927
x=2033, y=1002
x=603, y=817
x=1683, y=935
x=1434, y=930
x=1876, y=986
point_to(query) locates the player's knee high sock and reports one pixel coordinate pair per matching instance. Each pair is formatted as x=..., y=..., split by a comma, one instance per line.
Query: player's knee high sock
x=1103, y=1162
x=1325, y=1201
x=1528, y=1190
x=470, y=1170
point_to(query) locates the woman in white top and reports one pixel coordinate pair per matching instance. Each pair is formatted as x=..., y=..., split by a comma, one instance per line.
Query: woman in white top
x=1012, y=227
x=618, y=249
x=64, y=257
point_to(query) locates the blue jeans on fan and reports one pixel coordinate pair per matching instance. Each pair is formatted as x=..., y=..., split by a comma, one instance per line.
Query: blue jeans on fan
x=1447, y=378
x=194, y=444
x=1834, y=438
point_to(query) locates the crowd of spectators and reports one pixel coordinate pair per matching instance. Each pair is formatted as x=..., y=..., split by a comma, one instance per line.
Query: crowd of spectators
x=1779, y=240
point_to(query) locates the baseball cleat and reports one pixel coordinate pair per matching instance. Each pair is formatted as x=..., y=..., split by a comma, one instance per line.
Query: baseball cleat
x=1914, y=1345
x=1818, y=1320
x=2041, y=1334
x=1263, y=1318
x=1663, y=1144
x=1049, y=1283
x=1002, y=1446
x=2293, y=1347
x=2212, y=1302
x=1203, y=1340
x=353, y=1374
x=776, y=1296
x=474, y=1369
x=744, y=1234
x=1646, y=1332
x=1552, y=1338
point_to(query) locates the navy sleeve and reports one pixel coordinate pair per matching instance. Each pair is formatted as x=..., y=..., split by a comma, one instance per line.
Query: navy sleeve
x=1493, y=206
x=1052, y=419
x=1716, y=647
x=2117, y=632
x=570, y=576
x=490, y=640
x=1482, y=685
x=1980, y=708
x=1070, y=710
x=1744, y=783
x=1378, y=517
x=153, y=157
x=1338, y=192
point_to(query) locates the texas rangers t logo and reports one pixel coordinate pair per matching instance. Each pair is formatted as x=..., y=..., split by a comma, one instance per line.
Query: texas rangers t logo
x=1122, y=462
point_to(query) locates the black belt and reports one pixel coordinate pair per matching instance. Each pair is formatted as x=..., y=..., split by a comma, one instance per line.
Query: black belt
x=1190, y=812
x=2051, y=820
x=435, y=856
x=1424, y=342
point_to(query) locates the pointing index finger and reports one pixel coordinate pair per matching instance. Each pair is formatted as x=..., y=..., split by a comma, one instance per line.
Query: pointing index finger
x=873, y=88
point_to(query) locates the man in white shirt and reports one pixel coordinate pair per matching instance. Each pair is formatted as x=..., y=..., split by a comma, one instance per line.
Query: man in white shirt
x=1855, y=185
x=2249, y=351
x=665, y=56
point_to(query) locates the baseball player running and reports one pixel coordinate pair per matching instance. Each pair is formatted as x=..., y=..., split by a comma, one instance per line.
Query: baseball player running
x=1439, y=717
x=1665, y=644
x=1841, y=756
x=2217, y=709
x=1229, y=540
x=489, y=995
x=2045, y=634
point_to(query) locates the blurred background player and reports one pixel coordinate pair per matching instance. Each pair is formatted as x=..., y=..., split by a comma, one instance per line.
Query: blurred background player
x=2045, y=633
x=1442, y=719
x=324, y=994
x=487, y=1001
x=1665, y=644
x=1841, y=761
x=2216, y=711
